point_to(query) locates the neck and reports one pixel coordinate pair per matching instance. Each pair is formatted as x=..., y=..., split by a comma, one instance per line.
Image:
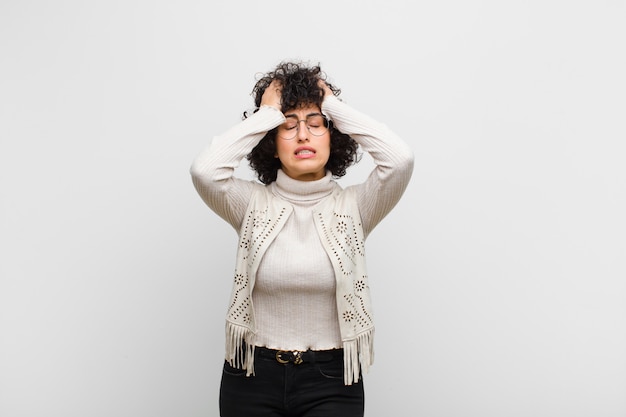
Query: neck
x=297, y=190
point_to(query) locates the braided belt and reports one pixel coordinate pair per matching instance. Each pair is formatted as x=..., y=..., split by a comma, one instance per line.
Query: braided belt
x=284, y=356
x=298, y=357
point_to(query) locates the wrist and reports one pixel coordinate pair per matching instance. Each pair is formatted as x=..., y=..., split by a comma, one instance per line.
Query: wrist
x=271, y=106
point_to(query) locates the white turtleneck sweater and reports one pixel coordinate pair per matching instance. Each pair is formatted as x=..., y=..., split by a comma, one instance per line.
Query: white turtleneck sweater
x=294, y=295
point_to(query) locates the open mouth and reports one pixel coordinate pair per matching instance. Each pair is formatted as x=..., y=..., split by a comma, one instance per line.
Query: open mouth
x=304, y=152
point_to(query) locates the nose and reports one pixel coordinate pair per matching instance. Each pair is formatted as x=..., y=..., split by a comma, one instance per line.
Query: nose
x=303, y=131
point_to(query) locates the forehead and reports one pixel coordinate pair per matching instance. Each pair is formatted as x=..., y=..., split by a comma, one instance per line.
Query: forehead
x=303, y=111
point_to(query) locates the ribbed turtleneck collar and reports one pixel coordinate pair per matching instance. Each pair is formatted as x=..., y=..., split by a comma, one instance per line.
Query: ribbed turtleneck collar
x=296, y=190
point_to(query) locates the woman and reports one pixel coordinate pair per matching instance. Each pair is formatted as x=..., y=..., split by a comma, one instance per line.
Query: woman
x=299, y=329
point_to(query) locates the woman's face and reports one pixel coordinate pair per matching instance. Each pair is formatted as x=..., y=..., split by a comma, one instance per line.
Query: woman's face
x=304, y=156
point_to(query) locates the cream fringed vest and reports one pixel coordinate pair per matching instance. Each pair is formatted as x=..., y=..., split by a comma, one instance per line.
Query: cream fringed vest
x=338, y=224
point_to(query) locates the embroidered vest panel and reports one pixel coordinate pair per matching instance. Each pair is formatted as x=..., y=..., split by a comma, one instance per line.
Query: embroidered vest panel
x=341, y=231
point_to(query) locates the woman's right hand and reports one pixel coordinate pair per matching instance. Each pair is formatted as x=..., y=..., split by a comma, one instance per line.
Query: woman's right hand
x=272, y=95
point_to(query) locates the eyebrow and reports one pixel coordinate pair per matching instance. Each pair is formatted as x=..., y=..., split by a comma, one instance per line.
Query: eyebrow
x=310, y=114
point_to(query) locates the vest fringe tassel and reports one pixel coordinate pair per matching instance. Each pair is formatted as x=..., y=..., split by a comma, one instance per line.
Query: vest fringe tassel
x=240, y=347
x=358, y=356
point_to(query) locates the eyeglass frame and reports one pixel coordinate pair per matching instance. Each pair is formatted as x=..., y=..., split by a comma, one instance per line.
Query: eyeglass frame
x=327, y=124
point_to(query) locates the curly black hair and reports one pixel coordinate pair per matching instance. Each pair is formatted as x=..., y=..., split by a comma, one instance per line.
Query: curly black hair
x=299, y=88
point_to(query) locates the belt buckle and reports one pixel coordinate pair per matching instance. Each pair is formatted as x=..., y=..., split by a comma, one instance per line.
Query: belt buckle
x=295, y=357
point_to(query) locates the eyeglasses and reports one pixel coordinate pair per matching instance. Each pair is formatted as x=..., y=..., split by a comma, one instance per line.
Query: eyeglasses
x=316, y=124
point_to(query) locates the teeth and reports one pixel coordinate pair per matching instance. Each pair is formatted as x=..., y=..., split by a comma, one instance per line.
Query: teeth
x=305, y=151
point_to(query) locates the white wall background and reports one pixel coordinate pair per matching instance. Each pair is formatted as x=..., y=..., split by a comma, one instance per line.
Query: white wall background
x=499, y=280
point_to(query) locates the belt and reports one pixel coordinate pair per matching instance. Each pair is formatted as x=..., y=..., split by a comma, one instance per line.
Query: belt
x=298, y=356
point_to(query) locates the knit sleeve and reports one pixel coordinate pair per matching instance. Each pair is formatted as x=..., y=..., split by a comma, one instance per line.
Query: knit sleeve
x=393, y=158
x=212, y=171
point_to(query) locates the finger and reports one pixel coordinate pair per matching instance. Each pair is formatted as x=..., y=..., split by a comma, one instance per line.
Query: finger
x=276, y=85
x=322, y=84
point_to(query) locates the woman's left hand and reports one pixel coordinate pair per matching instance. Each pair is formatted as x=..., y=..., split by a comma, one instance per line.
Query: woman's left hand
x=327, y=91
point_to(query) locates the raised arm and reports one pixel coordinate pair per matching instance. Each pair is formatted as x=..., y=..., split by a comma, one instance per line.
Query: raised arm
x=213, y=169
x=393, y=158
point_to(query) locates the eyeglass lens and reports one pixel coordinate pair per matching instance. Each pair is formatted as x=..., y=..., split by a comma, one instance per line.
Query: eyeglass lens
x=315, y=123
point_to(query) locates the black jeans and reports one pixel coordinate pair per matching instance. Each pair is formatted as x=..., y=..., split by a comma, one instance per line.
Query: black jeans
x=310, y=389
